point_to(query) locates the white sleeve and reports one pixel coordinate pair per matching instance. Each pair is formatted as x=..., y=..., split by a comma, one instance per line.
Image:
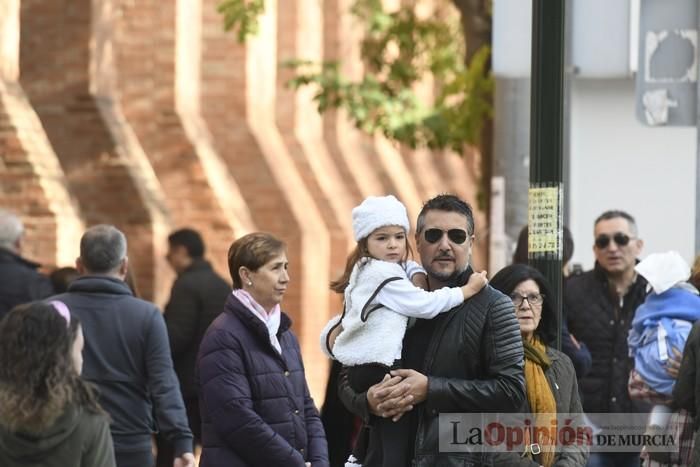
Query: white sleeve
x=414, y=268
x=405, y=298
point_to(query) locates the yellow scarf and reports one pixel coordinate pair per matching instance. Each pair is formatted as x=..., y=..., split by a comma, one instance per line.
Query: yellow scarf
x=540, y=395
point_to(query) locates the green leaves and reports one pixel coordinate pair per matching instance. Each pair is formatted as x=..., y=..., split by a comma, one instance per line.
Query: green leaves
x=241, y=15
x=399, y=50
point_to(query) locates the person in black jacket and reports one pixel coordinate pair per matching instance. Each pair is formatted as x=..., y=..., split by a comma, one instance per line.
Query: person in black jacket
x=20, y=282
x=469, y=359
x=197, y=297
x=127, y=354
x=601, y=305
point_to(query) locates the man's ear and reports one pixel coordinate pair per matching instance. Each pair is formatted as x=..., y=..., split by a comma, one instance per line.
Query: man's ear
x=80, y=266
x=124, y=267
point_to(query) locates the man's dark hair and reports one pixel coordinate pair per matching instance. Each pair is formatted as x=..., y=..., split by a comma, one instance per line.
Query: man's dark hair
x=521, y=248
x=102, y=249
x=190, y=239
x=61, y=278
x=614, y=214
x=448, y=203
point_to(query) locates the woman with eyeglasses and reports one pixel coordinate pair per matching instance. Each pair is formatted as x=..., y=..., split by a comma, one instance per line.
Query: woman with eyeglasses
x=550, y=378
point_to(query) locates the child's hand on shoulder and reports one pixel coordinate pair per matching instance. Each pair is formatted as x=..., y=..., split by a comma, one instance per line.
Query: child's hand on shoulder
x=420, y=279
x=477, y=281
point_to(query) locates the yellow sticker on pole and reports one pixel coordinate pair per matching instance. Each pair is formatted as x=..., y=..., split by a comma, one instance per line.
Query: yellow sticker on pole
x=544, y=221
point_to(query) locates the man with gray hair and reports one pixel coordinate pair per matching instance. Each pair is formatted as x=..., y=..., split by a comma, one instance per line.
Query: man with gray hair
x=127, y=354
x=20, y=282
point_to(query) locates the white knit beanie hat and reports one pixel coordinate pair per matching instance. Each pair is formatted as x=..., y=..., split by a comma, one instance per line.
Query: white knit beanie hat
x=378, y=211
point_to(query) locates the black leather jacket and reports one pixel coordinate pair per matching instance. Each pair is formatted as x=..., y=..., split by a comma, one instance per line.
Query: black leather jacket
x=474, y=363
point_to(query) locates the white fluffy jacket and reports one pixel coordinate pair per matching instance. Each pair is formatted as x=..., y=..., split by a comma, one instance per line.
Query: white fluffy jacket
x=379, y=338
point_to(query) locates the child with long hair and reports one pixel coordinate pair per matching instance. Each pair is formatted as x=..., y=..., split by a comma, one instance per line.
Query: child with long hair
x=48, y=415
x=380, y=298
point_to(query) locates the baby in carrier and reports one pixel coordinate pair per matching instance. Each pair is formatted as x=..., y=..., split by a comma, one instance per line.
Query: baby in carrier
x=661, y=324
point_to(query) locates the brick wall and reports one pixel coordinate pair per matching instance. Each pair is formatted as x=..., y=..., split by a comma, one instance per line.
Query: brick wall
x=149, y=116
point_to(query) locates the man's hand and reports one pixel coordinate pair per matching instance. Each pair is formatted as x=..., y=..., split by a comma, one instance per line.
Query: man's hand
x=674, y=363
x=413, y=389
x=186, y=460
x=380, y=392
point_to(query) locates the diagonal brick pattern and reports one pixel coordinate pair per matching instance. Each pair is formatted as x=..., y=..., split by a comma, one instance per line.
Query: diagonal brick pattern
x=149, y=116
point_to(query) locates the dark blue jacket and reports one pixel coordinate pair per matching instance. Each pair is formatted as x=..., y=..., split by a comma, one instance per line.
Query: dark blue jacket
x=127, y=356
x=255, y=403
x=20, y=282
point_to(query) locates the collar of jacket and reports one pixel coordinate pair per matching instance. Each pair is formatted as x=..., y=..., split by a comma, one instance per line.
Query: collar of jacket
x=602, y=275
x=96, y=284
x=553, y=356
x=460, y=279
x=7, y=256
x=235, y=307
x=198, y=264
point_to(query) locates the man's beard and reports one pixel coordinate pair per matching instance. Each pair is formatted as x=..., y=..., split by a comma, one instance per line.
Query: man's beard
x=457, y=278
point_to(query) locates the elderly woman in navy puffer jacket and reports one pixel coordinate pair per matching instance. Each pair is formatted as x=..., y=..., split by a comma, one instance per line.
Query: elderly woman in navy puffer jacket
x=255, y=403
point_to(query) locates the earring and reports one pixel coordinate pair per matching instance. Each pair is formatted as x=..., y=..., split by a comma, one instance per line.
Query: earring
x=249, y=283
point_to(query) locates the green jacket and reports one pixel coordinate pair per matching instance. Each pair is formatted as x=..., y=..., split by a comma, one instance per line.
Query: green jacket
x=78, y=438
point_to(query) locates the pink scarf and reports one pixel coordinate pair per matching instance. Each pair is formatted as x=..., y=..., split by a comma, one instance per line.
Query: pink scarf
x=271, y=320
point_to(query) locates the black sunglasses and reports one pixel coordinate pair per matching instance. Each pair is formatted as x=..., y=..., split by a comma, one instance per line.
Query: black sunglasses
x=602, y=241
x=457, y=236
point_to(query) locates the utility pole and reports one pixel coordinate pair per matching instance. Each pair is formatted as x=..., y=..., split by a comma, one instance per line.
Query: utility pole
x=545, y=203
x=697, y=154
